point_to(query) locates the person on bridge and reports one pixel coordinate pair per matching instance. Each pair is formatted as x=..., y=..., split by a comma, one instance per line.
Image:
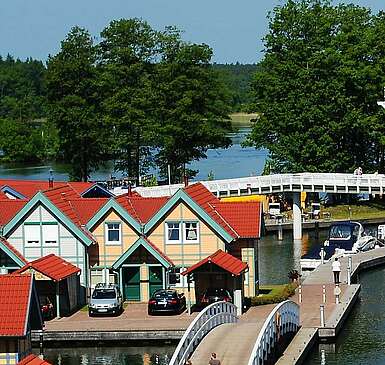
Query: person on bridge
x=214, y=360
x=336, y=267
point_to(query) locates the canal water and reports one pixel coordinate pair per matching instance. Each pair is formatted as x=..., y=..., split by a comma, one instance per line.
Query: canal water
x=232, y=162
x=362, y=339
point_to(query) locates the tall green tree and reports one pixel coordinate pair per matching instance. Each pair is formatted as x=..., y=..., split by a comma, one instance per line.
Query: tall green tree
x=317, y=86
x=192, y=106
x=74, y=103
x=128, y=51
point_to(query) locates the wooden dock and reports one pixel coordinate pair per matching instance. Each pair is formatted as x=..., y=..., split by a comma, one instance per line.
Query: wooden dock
x=335, y=314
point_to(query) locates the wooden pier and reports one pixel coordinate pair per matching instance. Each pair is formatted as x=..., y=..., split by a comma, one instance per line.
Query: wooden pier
x=335, y=314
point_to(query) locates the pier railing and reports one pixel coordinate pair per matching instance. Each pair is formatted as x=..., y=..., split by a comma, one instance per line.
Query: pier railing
x=283, y=319
x=212, y=316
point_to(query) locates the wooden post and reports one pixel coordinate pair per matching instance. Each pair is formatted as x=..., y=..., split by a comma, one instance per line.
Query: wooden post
x=188, y=294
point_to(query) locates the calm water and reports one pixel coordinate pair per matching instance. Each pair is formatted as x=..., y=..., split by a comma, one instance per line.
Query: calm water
x=110, y=355
x=243, y=162
x=362, y=341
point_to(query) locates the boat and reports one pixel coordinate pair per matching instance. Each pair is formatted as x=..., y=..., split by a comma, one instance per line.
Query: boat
x=344, y=238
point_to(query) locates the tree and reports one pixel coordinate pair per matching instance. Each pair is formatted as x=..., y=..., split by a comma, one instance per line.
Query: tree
x=128, y=51
x=74, y=102
x=192, y=106
x=317, y=86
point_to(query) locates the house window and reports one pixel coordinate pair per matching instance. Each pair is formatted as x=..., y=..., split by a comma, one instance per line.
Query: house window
x=173, y=232
x=191, y=233
x=32, y=235
x=113, y=233
x=50, y=234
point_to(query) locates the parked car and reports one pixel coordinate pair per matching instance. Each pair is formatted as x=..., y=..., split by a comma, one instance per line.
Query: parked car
x=166, y=300
x=46, y=307
x=105, y=299
x=212, y=295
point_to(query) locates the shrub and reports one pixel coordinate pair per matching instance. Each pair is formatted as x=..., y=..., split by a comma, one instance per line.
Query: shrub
x=276, y=294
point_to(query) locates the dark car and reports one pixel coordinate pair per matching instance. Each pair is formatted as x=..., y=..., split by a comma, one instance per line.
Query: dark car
x=212, y=295
x=166, y=301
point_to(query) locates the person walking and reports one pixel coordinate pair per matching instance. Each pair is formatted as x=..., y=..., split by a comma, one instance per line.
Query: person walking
x=336, y=267
x=214, y=360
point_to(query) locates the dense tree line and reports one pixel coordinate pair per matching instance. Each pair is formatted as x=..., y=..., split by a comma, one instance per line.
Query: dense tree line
x=317, y=87
x=237, y=78
x=139, y=96
x=25, y=134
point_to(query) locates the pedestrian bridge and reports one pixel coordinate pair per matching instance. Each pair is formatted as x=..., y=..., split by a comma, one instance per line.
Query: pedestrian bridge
x=284, y=183
x=250, y=340
x=280, y=183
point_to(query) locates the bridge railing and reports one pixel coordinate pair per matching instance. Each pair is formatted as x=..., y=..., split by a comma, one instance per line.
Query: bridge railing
x=283, y=319
x=212, y=316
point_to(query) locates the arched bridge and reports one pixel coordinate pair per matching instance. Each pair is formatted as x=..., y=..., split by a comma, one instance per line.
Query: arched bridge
x=288, y=183
x=251, y=340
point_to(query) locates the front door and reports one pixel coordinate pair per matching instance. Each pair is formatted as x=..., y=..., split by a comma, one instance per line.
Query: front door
x=156, y=278
x=131, y=283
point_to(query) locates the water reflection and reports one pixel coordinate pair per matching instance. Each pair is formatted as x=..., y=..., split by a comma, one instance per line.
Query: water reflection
x=277, y=258
x=157, y=355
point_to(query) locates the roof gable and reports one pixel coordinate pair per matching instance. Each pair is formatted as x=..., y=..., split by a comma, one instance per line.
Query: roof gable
x=223, y=260
x=150, y=247
x=111, y=204
x=52, y=266
x=40, y=198
x=203, y=211
x=32, y=359
x=96, y=191
x=15, y=255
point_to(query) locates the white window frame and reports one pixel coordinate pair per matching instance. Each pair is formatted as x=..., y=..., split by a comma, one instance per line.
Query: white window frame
x=185, y=240
x=169, y=241
x=50, y=243
x=113, y=243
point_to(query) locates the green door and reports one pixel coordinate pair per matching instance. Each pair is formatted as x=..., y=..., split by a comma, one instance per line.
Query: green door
x=131, y=283
x=156, y=278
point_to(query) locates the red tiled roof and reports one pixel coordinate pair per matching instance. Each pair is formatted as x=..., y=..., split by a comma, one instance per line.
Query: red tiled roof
x=222, y=259
x=244, y=217
x=14, y=304
x=52, y=266
x=86, y=208
x=13, y=249
x=33, y=360
x=9, y=208
x=239, y=219
x=141, y=209
x=204, y=198
x=29, y=188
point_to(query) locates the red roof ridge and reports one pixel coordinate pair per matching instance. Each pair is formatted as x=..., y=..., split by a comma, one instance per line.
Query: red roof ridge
x=33, y=359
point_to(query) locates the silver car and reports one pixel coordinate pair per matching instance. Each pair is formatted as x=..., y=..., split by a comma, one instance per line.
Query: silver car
x=105, y=299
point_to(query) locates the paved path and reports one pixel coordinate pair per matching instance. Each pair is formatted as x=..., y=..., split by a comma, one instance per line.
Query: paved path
x=233, y=342
x=133, y=318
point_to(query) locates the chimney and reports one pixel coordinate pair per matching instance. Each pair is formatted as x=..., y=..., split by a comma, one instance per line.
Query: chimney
x=185, y=179
x=129, y=191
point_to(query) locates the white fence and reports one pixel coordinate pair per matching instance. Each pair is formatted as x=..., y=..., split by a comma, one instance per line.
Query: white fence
x=212, y=316
x=283, y=319
x=334, y=183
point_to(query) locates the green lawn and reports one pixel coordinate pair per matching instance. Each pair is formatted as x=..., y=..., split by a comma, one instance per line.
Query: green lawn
x=360, y=210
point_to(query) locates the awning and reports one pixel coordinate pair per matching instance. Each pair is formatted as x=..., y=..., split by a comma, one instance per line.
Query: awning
x=51, y=266
x=223, y=260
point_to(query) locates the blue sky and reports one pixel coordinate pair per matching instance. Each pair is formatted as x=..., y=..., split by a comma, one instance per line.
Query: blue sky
x=232, y=28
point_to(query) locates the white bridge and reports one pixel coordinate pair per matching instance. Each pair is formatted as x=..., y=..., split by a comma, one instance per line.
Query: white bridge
x=288, y=183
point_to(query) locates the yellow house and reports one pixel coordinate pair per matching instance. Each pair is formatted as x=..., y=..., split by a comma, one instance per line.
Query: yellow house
x=144, y=244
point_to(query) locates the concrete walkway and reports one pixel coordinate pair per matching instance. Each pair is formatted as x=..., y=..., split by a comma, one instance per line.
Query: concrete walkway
x=234, y=342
